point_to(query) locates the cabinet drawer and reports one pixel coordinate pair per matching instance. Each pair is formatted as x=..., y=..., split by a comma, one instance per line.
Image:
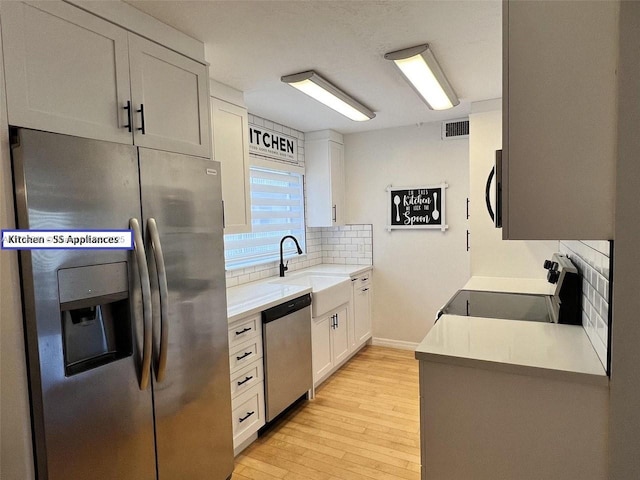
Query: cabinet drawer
x=244, y=330
x=247, y=377
x=361, y=280
x=248, y=413
x=243, y=354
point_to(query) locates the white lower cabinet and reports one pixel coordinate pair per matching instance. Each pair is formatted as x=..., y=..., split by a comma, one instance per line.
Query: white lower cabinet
x=330, y=342
x=361, y=325
x=321, y=347
x=247, y=380
x=248, y=415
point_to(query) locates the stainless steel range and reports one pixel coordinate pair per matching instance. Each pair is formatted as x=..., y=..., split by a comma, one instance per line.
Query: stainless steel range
x=561, y=307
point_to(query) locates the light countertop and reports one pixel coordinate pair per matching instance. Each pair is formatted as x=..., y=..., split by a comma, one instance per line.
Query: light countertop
x=254, y=297
x=536, y=286
x=563, y=352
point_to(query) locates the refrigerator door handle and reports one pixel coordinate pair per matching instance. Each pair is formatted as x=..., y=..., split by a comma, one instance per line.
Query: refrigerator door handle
x=163, y=290
x=143, y=272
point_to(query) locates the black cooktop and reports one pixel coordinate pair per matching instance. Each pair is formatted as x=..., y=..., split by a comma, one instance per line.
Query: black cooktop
x=512, y=306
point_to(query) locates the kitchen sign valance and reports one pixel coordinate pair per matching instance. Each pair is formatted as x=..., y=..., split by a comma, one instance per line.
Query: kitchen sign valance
x=416, y=207
x=269, y=143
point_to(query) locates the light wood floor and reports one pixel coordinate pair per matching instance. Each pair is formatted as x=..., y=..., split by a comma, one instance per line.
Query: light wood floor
x=363, y=424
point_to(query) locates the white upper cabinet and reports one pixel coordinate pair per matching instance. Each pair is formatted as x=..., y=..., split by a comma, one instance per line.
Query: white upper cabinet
x=559, y=119
x=66, y=70
x=230, y=127
x=170, y=99
x=324, y=159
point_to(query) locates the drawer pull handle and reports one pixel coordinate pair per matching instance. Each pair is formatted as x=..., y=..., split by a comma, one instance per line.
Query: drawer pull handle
x=242, y=419
x=243, y=331
x=246, y=379
x=365, y=289
x=246, y=354
x=354, y=279
x=364, y=279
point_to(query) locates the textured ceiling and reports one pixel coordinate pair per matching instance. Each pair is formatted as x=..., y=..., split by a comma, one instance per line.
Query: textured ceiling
x=251, y=44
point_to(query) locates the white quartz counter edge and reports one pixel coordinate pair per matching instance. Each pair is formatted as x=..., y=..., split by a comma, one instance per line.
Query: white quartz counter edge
x=254, y=297
x=535, y=286
x=561, y=352
x=260, y=299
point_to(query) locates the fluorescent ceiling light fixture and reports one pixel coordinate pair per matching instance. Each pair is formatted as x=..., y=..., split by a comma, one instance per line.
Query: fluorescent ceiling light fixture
x=421, y=69
x=318, y=88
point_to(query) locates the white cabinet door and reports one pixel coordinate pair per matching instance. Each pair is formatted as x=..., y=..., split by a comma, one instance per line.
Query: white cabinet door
x=362, y=314
x=170, y=99
x=321, y=347
x=67, y=71
x=559, y=120
x=230, y=127
x=340, y=334
x=336, y=158
x=324, y=159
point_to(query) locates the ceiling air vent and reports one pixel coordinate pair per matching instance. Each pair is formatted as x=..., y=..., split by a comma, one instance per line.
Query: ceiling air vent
x=455, y=129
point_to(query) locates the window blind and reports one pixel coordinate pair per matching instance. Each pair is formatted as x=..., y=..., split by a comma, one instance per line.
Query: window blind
x=277, y=209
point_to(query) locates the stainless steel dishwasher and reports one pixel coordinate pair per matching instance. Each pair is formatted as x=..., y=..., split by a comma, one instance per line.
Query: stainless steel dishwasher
x=286, y=335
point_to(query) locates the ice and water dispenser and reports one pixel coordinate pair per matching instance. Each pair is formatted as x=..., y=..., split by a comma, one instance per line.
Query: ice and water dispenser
x=95, y=315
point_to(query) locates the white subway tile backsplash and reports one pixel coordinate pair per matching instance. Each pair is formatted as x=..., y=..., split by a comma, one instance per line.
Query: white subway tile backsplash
x=347, y=244
x=592, y=258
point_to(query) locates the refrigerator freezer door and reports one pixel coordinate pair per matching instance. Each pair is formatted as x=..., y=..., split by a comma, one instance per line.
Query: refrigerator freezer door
x=193, y=399
x=90, y=418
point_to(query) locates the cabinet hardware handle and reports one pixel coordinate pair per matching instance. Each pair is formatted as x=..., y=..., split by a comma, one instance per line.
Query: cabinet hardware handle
x=246, y=379
x=364, y=279
x=365, y=289
x=468, y=246
x=335, y=213
x=337, y=321
x=467, y=208
x=242, y=419
x=246, y=354
x=243, y=331
x=128, y=109
x=354, y=279
x=141, y=112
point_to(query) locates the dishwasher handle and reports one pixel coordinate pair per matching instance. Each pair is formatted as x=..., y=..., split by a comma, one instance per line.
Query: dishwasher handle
x=286, y=308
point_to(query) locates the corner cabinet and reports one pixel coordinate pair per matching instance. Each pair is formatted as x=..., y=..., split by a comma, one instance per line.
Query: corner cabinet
x=559, y=119
x=330, y=342
x=68, y=71
x=324, y=165
x=230, y=135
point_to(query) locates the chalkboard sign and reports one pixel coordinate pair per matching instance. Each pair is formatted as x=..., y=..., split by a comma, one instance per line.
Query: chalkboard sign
x=417, y=207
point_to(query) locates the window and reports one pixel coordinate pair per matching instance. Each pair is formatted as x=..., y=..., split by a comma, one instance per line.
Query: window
x=277, y=209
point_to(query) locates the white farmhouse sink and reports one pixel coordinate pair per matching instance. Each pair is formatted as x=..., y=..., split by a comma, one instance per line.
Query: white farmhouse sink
x=327, y=292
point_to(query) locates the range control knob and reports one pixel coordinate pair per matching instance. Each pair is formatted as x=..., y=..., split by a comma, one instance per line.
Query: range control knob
x=553, y=276
x=547, y=264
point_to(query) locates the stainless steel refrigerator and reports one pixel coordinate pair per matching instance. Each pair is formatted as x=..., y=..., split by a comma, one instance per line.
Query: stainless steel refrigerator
x=127, y=350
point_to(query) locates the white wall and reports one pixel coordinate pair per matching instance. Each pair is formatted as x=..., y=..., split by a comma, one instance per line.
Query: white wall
x=415, y=272
x=490, y=255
